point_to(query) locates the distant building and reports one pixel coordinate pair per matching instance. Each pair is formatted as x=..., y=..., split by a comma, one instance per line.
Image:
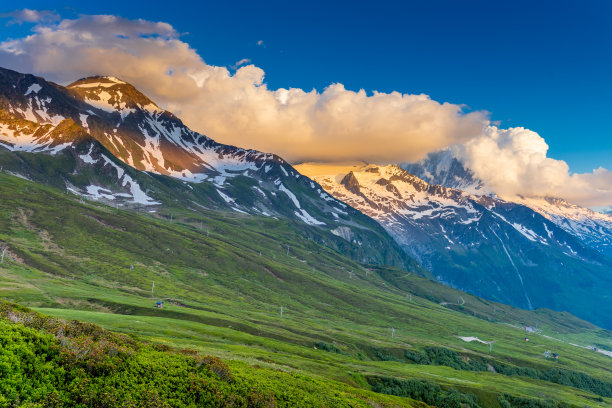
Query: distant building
x=530, y=329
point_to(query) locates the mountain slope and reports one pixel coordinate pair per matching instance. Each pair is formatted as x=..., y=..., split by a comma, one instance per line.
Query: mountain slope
x=346, y=328
x=592, y=228
x=499, y=250
x=71, y=137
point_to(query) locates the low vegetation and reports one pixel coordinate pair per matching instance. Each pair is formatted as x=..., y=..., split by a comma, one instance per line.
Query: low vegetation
x=48, y=362
x=450, y=358
x=423, y=390
x=223, y=277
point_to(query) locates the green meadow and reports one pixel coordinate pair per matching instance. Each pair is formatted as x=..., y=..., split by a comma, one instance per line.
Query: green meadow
x=348, y=333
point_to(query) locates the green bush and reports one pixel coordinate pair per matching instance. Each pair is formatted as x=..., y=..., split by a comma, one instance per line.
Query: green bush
x=449, y=358
x=423, y=390
x=559, y=376
x=509, y=401
x=385, y=355
x=321, y=345
x=81, y=365
x=446, y=357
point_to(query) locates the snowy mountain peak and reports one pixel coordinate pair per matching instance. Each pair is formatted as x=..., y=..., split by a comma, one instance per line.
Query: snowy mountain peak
x=380, y=191
x=593, y=228
x=126, y=122
x=111, y=94
x=444, y=168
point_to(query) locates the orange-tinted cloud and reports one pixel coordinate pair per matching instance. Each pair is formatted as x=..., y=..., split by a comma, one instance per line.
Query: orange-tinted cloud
x=239, y=109
x=331, y=125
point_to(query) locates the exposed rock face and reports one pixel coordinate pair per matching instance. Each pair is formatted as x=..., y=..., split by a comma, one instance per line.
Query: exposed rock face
x=350, y=183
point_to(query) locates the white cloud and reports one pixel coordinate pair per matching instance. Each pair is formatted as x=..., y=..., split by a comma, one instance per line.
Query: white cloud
x=335, y=124
x=30, y=16
x=514, y=161
x=243, y=61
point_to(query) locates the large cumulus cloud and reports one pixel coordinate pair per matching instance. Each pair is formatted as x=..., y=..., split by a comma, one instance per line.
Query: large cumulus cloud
x=514, y=162
x=238, y=108
x=334, y=124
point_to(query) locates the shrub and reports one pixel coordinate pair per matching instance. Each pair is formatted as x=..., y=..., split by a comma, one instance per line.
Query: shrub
x=423, y=390
x=75, y=364
x=510, y=401
x=331, y=348
x=446, y=357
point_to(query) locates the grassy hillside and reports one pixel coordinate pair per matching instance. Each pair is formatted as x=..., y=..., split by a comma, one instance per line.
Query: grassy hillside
x=368, y=242
x=47, y=361
x=346, y=329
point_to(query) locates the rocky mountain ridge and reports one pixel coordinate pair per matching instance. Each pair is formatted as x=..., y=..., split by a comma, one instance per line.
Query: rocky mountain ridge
x=500, y=250
x=592, y=228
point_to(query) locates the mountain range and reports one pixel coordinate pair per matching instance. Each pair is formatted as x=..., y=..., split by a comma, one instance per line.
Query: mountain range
x=100, y=138
x=500, y=250
x=591, y=227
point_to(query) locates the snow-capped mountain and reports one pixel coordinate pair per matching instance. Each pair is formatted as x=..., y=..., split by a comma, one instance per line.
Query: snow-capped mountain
x=444, y=169
x=500, y=250
x=592, y=228
x=125, y=122
x=101, y=138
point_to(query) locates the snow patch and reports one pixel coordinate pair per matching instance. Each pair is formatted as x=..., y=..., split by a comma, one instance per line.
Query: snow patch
x=83, y=119
x=473, y=338
x=343, y=232
x=34, y=88
x=138, y=196
x=225, y=197
x=307, y=218
x=98, y=192
x=526, y=232
x=290, y=194
x=120, y=171
x=87, y=157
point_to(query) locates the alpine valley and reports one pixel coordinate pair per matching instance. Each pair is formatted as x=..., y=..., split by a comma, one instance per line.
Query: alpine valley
x=146, y=265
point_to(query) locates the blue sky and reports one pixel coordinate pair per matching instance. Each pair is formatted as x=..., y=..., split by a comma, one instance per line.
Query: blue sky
x=538, y=64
